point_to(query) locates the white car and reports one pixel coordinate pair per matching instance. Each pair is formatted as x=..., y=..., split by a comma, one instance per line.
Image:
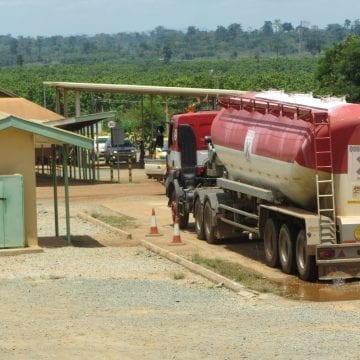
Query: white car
x=100, y=144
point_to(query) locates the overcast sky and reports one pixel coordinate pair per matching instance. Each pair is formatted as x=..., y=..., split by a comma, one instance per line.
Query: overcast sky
x=73, y=17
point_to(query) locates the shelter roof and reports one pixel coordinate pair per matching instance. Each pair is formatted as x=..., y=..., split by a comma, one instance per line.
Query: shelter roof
x=79, y=122
x=44, y=134
x=26, y=109
x=140, y=89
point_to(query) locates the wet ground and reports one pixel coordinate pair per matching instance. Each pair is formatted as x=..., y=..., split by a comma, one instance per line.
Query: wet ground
x=337, y=290
x=293, y=287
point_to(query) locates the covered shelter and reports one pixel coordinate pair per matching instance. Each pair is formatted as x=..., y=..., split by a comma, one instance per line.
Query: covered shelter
x=86, y=125
x=62, y=89
x=18, y=139
x=83, y=162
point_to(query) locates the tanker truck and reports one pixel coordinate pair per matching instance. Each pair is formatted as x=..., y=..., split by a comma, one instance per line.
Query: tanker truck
x=286, y=170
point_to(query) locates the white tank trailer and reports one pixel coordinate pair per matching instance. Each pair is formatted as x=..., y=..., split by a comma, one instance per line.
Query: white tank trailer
x=291, y=175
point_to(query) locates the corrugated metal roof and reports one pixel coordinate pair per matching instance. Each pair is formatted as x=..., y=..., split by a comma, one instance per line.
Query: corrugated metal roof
x=79, y=122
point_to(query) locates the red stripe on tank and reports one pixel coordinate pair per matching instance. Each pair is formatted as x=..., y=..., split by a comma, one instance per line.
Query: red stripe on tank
x=285, y=139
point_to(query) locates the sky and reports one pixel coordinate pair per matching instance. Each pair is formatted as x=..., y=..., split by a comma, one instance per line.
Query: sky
x=88, y=17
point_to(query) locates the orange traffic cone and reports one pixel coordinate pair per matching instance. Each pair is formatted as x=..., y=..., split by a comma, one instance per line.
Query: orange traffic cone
x=153, y=226
x=176, y=240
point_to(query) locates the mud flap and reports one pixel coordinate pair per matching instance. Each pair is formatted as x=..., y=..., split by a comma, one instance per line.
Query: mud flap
x=338, y=271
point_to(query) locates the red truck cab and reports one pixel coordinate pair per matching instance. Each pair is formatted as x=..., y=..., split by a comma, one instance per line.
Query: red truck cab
x=187, y=158
x=187, y=147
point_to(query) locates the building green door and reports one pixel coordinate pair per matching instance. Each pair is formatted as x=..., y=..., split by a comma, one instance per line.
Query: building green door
x=12, y=229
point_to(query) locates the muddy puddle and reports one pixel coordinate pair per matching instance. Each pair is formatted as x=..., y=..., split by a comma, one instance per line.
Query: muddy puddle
x=294, y=288
x=338, y=290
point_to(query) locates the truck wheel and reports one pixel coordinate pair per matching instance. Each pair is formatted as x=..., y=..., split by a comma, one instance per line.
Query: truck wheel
x=184, y=218
x=286, y=250
x=306, y=264
x=199, y=221
x=271, y=243
x=208, y=224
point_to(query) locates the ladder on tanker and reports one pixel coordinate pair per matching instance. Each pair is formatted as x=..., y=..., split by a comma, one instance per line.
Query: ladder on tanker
x=324, y=177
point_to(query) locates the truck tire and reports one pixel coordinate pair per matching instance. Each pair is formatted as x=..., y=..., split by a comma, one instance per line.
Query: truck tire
x=183, y=218
x=271, y=243
x=286, y=250
x=199, y=220
x=208, y=224
x=306, y=264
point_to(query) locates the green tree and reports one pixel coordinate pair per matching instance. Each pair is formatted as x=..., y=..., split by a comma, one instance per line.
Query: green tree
x=167, y=54
x=347, y=24
x=19, y=60
x=234, y=30
x=314, y=41
x=267, y=28
x=338, y=70
x=287, y=27
x=356, y=27
x=221, y=33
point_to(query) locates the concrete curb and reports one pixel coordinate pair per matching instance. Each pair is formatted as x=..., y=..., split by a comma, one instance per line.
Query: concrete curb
x=197, y=269
x=89, y=218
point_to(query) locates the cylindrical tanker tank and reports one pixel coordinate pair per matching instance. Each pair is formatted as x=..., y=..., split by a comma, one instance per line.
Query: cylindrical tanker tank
x=272, y=146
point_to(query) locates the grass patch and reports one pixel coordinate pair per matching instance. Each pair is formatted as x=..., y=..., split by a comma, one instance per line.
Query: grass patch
x=237, y=273
x=118, y=221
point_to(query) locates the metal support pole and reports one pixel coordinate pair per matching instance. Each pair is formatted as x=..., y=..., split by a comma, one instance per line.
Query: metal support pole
x=44, y=97
x=142, y=142
x=84, y=164
x=167, y=114
x=77, y=103
x=97, y=151
x=53, y=173
x=92, y=154
x=57, y=108
x=83, y=159
x=42, y=159
x=79, y=161
x=130, y=170
x=89, y=157
x=66, y=110
x=152, y=126
x=66, y=192
x=76, y=160
x=118, y=166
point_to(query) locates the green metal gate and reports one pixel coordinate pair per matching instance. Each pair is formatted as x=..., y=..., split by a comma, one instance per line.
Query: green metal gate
x=12, y=229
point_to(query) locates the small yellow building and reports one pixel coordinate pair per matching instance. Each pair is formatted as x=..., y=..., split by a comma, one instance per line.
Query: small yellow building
x=18, y=139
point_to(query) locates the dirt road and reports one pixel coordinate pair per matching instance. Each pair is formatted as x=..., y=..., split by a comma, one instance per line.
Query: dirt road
x=115, y=300
x=137, y=199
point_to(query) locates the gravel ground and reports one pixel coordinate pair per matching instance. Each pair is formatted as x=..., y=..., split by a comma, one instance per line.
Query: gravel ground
x=128, y=303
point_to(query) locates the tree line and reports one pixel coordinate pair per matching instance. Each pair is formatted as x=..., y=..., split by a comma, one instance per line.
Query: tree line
x=335, y=72
x=274, y=38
